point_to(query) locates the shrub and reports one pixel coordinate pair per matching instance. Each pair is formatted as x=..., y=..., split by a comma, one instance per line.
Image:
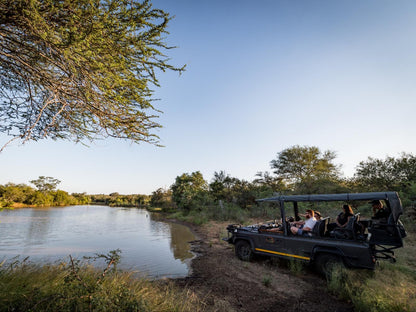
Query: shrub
x=40, y=199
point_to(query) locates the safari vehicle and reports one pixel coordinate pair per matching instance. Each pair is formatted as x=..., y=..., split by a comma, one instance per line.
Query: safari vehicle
x=360, y=244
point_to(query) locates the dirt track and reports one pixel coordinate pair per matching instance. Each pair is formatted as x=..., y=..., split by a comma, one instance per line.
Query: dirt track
x=227, y=284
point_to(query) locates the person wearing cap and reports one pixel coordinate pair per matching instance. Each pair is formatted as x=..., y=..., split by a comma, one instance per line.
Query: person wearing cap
x=379, y=212
x=317, y=215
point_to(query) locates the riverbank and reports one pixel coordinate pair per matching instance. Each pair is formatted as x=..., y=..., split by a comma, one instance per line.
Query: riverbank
x=224, y=283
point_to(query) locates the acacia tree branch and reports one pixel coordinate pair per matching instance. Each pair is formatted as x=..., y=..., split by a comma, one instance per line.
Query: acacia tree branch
x=8, y=142
x=81, y=70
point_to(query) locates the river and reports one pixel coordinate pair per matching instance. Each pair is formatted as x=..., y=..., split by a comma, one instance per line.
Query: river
x=150, y=247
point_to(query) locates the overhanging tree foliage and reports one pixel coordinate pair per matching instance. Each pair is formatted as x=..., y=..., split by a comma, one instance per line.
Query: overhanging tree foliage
x=81, y=69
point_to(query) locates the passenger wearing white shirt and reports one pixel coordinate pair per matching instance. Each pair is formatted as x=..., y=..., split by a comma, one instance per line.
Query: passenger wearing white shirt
x=306, y=227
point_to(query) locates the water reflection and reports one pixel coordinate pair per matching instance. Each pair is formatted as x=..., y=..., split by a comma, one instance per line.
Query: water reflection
x=38, y=230
x=181, y=236
x=155, y=248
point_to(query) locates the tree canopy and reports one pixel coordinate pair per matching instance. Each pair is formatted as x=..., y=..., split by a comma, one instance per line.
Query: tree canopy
x=188, y=188
x=81, y=69
x=46, y=184
x=304, y=163
x=387, y=174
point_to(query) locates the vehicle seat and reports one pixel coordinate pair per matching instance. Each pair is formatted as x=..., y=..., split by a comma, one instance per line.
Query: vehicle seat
x=389, y=227
x=320, y=227
x=323, y=229
x=350, y=231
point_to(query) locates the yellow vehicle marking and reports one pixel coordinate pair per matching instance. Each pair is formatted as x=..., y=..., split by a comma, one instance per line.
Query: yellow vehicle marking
x=282, y=254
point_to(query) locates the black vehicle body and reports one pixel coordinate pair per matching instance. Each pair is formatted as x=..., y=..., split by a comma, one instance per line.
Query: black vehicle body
x=360, y=244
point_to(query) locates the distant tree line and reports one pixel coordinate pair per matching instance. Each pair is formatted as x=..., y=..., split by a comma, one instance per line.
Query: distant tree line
x=295, y=170
x=45, y=194
x=117, y=200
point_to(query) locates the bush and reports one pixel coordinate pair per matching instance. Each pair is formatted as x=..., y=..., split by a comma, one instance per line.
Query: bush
x=5, y=203
x=40, y=199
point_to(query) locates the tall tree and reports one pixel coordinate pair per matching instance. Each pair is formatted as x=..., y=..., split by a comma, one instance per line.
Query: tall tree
x=406, y=167
x=243, y=193
x=305, y=164
x=276, y=184
x=188, y=188
x=81, y=69
x=220, y=185
x=161, y=198
x=386, y=174
x=45, y=184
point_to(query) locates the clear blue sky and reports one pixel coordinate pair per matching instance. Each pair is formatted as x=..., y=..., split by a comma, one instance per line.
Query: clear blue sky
x=261, y=76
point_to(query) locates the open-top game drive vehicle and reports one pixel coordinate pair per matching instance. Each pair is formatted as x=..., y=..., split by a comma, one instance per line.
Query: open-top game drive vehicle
x=359, y=244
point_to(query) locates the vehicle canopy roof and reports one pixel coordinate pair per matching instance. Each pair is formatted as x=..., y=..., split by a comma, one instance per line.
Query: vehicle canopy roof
x=392, y=199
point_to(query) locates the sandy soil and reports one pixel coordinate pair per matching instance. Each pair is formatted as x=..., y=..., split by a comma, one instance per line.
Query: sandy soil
x=227, y=284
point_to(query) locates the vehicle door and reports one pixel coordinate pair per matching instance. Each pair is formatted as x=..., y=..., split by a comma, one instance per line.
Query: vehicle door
x=270, y=242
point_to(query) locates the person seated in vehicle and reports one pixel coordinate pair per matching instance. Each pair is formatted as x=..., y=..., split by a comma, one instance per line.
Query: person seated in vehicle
x=318, y=216
x=304, y=227
x=342, y=218
x=380, y=213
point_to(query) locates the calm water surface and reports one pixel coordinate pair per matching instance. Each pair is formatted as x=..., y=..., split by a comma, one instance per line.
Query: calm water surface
x=155, y=249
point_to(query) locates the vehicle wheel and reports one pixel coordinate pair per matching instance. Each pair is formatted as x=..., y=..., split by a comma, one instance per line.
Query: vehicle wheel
x=325, y=263
x=243, y=250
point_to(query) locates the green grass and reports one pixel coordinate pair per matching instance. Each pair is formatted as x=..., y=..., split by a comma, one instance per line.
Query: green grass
x=389, y=288
x=77, y=287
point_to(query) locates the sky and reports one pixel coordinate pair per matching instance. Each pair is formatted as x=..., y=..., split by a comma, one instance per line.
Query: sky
x=261, y=77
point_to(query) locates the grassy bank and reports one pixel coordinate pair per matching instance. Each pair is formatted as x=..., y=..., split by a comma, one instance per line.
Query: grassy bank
x=390, y=287
x=80, y=287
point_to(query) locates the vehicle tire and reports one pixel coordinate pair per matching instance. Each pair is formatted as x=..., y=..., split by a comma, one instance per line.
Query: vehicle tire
x=243, y=250
x=325, y=263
